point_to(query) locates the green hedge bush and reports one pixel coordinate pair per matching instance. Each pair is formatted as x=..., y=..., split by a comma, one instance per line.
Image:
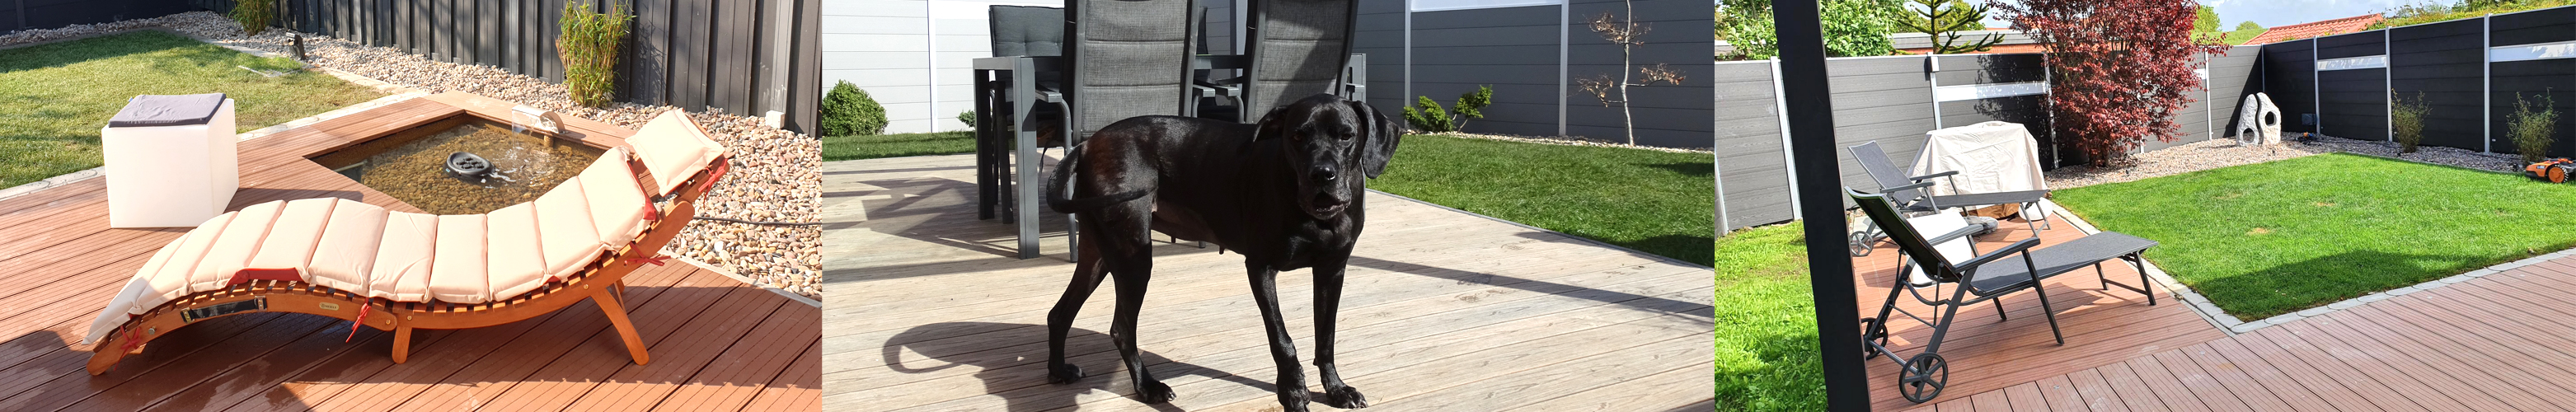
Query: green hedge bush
x=848, y=111
x=254, y=15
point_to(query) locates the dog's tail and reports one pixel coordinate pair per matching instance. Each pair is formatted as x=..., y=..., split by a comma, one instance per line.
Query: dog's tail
x=1061, y=200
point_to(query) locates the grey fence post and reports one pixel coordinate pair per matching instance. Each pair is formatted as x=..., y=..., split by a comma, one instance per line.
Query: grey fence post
x=1932, y=76
x=1788, y=154
x=2486, y=84
x=2316, y=90
x=2388, y=84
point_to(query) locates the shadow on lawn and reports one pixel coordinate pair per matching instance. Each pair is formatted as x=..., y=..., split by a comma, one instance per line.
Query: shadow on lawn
x=2328, y=279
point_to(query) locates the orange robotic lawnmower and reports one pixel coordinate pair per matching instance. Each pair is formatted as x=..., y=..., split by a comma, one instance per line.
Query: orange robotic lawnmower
x=2552, y=170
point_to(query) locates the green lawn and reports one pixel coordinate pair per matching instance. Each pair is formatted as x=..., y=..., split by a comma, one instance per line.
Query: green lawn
x=2271, y=238
x=1766, y=323
x=897, y=145
x=56, y=96
x=1652, y=201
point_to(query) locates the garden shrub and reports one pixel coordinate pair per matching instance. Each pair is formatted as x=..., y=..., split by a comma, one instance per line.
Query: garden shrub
x=254, y=15
x=589, y=47
x=2531, y=125
x=1427, y=116
x=967, y=117
x=2407, y=117
x=848, y=111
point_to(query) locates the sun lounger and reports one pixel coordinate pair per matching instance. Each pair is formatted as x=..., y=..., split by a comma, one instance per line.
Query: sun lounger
x=1969, y=280
x=1874, y=162
x=402, y=271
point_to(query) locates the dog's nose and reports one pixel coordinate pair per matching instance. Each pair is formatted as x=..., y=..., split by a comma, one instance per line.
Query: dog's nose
x=1322, y=174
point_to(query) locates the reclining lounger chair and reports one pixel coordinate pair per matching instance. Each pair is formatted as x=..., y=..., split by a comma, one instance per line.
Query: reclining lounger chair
x=1875, y=163
x=402, y=271
x=1986, y=277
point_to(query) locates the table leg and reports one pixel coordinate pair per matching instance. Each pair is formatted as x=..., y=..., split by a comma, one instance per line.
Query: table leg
x=983, y=134
x=1025, y=145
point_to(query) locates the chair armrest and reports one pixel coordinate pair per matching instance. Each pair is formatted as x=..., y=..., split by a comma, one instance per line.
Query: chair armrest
x=2016, y=247
x=1955, y=234
x=1885, y=190
x=1942, y=174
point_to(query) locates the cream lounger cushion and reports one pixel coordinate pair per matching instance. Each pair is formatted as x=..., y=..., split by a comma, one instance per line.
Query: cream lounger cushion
x=411, y=257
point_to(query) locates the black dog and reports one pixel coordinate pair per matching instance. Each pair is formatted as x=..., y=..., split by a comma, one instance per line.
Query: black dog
x=1286, y=193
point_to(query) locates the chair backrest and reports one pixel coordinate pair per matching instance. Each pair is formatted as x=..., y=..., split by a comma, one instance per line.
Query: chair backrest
x=1874, y=162
x=1907, y=239
x=1298, y=49
x=1027, y=31
x=1129, y=58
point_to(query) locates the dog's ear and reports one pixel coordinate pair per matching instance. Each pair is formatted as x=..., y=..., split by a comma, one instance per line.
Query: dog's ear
x=1271, y=126
x=1378, y=145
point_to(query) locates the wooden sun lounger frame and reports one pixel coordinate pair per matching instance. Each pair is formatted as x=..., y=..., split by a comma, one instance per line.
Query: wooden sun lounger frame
x=602, y=281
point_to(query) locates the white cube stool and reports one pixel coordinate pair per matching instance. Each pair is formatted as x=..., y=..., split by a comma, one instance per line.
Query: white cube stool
x=171, y=161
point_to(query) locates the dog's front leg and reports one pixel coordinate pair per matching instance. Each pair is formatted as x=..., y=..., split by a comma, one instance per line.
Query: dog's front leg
x=1328, y=302
x=1283, y=348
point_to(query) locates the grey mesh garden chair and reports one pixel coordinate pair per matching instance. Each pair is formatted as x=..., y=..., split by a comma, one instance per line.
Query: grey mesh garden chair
x=1027, y=31
x=1967, y=280
x=1296, y=48
x=1125, y=58
x=1876, y=164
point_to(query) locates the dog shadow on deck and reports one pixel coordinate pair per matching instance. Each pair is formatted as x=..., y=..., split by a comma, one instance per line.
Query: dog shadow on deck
x=1017, y=371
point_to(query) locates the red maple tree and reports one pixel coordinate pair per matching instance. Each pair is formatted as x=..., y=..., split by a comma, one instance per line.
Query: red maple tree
x=2120, y=68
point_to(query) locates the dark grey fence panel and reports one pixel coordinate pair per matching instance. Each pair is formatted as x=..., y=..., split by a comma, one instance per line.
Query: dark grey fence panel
x=1665, y=115
x=2531, y=79
x=1887, y=100
x=47, y=14
x=2442, y=65
x=2355, y=101
x=1752, y=166
x=2191, y=122
x=2537, y=26
x=2289, y=77
x=1523, y=76
x=1981, y=69
x=2232, y=77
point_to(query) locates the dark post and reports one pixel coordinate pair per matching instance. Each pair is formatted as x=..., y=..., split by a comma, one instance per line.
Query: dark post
x=1811, y=131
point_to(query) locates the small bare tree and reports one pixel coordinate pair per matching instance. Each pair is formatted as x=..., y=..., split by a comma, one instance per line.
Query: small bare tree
x=1627, y=33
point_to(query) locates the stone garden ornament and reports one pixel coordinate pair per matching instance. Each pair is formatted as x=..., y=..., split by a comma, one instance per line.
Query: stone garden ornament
x=2259, y=123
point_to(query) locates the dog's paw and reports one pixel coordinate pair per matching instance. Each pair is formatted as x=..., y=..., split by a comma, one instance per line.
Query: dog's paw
x=1063, y=373
x=1345, y=397
x=1154, y=392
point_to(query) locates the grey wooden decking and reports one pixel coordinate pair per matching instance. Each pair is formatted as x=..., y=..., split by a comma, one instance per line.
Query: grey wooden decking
x=926, y=310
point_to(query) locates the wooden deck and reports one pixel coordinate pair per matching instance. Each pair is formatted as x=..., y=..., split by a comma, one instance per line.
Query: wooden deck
x=2494, y=343
x=926, y=310
x=1985, y=353
x=745, y=348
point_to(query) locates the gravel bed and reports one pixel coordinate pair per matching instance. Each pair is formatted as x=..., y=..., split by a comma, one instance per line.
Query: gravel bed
x=2214, y=154
x=773, y=177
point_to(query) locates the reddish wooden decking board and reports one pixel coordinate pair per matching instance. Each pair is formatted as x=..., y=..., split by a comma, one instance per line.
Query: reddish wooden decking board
x=2498, y=342
x=1985, y=354
x=746, y=348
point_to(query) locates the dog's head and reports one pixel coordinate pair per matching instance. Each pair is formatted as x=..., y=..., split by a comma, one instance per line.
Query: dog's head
x=1334, y=146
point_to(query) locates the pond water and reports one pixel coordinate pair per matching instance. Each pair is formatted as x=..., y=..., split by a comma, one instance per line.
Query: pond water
x=524, y=165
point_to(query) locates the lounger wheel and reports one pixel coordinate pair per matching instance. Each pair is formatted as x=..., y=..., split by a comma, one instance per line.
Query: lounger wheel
x=1871, y=332
x=1924, y=377
x=1860, y=244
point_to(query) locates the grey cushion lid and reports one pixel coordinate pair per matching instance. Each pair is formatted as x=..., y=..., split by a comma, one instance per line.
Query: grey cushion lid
x=158, y=110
